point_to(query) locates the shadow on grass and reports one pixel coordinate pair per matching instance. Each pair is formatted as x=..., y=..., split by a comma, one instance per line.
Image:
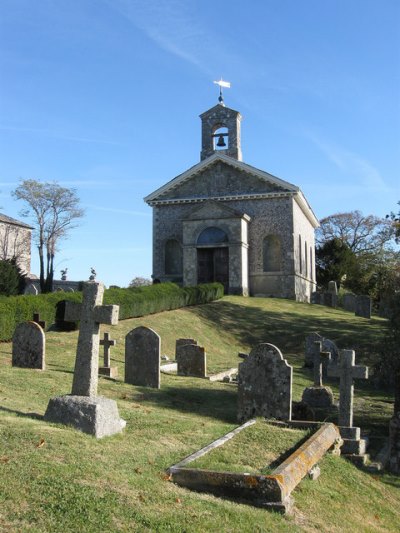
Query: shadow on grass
x=287, y=329
x=215, y=403
x=34, y=416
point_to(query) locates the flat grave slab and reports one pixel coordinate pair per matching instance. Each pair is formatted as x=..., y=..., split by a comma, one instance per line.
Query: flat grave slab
x=266, y=477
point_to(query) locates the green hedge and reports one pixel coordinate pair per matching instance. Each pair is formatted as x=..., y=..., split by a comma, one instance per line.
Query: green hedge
x=133, y=302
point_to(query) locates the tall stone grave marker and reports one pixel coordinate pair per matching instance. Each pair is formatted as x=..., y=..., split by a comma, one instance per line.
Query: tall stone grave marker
x=28, y=346
x=107, y=369
x=142, y=357
x=191, y=360
x=83, y=408
x=265, y=384
x=347, y=371
x=332, y=287
x=363, y=306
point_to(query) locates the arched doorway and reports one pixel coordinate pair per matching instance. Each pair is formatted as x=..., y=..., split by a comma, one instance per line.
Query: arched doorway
x=213, y=257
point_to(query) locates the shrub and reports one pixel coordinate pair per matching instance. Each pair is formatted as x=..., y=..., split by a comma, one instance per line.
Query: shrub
x=12, y=280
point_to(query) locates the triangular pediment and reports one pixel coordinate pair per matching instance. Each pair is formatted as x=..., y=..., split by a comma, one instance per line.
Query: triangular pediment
x=220, y=176
x=214, y=210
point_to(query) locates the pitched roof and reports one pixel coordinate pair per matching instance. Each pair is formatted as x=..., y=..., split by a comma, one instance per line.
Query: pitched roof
x=13, y=221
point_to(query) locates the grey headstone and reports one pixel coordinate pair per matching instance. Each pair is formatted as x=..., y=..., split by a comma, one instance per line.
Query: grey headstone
x=363, y=306
x=332, y=287
x=183, y=342
x=265, y=385
x=142, y=357
x=330, y=346
x=347, y=371
x=28, y=346
x=191, y=360
x=349, y=302
x=97, y=416
x=316, y=297
x=329, y=299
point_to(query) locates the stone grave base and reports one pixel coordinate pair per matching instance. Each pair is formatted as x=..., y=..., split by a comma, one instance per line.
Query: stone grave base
x=319, y=397
x=109, y=371
x=267, y=491
x=97, y=416
x=354, y=447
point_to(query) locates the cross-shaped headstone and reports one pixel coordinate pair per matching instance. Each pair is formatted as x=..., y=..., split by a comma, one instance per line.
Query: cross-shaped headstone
x=107, y=343
x=347, y=371
x=319, y=358
x=36, y=318
x=91, y=314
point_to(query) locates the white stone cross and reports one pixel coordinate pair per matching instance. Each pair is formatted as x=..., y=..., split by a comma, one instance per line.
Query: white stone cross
x=347, y=371
x=107, y=343
x=91, y=314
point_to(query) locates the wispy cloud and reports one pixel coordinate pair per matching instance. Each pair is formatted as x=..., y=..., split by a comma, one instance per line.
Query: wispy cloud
x=362, y=171
x=56, y=135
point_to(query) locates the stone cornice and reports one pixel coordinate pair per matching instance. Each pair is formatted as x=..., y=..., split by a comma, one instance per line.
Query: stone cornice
x=250, y=196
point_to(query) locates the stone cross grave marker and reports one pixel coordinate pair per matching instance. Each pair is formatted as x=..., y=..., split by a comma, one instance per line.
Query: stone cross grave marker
x=318, y=395
x=107, y=369
x=265, y=384
x=347, y=371
x=36, y=318
x=91, y=314
x=28, y=346
x=142, y=357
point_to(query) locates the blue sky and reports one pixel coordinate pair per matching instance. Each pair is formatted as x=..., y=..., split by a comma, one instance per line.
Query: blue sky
x=104, y=96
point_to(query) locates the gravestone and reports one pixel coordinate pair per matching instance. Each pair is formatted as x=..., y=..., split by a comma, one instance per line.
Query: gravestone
x=347, y=371
x=349, y=302
x=83, y=409
x=183, y=342
x=316, y=297
x=191, y=360
x=318, y=395
x=265, y=385
x=327, y=346
x=36, y=318
x=142, y=357
x=28, y=346
x=107, y=369
x=329, y=299
x=363, y=306
x=332, y=287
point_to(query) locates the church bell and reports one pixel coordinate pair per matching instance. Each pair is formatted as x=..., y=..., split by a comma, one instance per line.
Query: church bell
x=221, y=141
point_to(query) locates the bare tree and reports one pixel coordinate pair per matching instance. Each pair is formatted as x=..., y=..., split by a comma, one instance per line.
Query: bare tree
x=54, y=211
x=15, y=244
x=362, y=234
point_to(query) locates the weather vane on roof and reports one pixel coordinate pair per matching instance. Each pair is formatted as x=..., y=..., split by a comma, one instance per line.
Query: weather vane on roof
x=221, y=84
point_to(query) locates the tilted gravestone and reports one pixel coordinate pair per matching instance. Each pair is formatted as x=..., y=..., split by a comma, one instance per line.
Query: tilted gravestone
x=28, y=346
x=107, y=369
x=363, y=306
x=191, y=360
x=265, y=385
x=142, y=357
x=83, y=409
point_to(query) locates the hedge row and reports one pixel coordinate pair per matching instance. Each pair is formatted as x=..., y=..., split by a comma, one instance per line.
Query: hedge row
x=133, y=302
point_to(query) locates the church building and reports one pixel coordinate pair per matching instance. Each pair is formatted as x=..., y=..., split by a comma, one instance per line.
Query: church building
x=224, y=220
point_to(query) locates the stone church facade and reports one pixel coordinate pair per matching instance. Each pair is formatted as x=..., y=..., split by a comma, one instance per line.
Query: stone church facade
x=15, y=242
x=224, y=220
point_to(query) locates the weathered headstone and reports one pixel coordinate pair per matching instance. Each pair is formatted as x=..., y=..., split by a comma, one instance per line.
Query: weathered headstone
x=363, y=306
x=316, y=297
x=107, y=369
x=332, y=287
x=142, y=357
x=191, y=360
x=265, y=385
x=28, y=346
x=183, y=342
x=318, y=395
x=83, y=408
x=349, y=302
x=347, y=371
x=329, y=299
x=36, y=318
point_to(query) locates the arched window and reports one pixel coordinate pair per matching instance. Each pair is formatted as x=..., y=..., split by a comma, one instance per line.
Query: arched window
x=173, y=257
x=306, y=258
x=272, y=254
x=212, y=235
x=220, y=138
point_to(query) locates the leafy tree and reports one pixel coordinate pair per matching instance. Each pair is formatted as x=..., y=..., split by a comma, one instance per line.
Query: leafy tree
x=395, y=218
x=54, y=211
x=334, y=261
x=12, y=281
x=140, y=282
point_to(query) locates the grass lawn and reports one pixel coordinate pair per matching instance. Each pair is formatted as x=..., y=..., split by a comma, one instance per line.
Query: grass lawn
x=55, y=479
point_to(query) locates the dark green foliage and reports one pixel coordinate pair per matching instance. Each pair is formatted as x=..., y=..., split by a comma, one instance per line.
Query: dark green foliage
x=133, y=302
x=334, y=261
x=12, y=281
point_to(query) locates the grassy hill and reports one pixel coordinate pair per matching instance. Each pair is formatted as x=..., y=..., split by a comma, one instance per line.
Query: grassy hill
x=55, y=479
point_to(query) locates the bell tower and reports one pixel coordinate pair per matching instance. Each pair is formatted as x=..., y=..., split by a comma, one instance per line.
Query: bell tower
x=220, y=132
